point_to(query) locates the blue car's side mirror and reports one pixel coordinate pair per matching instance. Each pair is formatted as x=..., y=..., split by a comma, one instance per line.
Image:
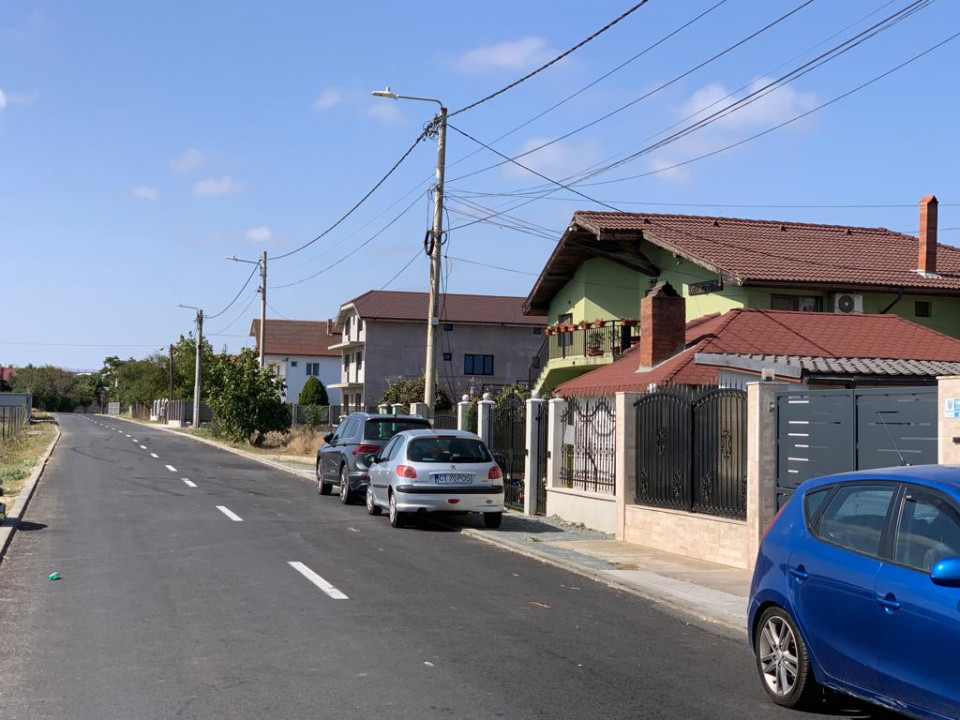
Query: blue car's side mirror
x=946, y=573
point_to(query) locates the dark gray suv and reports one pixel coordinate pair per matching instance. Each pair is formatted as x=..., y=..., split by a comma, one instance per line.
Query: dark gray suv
x=340, y=460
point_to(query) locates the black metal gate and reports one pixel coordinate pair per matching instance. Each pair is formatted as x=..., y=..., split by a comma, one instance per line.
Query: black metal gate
x=828, y=431
x=541, y=464
x=589, y=445
x=692, y=451
x=508, y=427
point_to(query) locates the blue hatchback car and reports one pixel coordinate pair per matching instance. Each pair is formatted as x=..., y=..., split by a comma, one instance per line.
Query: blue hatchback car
x=857, y=589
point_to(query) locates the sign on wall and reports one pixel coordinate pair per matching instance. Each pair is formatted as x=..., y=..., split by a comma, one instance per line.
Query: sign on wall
x=705, y=287
x=951, y=408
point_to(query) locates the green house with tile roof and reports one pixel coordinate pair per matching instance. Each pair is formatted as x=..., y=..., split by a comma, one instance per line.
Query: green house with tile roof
x=590, y=288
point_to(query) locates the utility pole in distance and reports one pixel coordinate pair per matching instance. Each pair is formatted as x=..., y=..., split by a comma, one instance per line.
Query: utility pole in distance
x=434, y=249
x=262, y=262
x=170, y=393
x=198, y=365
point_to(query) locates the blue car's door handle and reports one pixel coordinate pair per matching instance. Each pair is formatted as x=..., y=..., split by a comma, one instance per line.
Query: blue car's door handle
x=799, y=574
x=889, y=602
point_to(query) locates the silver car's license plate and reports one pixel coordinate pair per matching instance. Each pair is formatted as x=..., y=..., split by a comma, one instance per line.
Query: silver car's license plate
x=452, y=478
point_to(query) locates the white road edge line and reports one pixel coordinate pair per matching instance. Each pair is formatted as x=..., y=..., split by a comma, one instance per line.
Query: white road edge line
x=229, y=513
x=171, y=468
x=154, y=455
x=317, y=580
x=189, y=482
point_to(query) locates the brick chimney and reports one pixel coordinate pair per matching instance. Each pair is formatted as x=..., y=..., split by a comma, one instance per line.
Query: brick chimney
x=329, y=326
x=927, y=256
x=663, y=324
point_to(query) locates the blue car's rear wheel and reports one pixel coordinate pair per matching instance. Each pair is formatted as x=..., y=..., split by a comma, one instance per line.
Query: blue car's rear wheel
x=782, y=660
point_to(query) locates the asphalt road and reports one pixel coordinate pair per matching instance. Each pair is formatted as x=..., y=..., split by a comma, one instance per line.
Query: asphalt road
x=168, y=607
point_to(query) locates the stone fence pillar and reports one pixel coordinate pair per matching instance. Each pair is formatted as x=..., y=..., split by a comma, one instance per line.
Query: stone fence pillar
x=484, y=411
x=531, y=462
x=555, y=459
x=948, y=420
x=626, y=464
x=761, y=461
x=463, y=407
x=421, y=409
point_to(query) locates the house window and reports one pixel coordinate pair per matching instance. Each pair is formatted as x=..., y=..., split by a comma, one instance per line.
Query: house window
x=313, y=369
x=478, y=364
x=359, y=325
x=346, y=328
x=805, y=303
x=293, y=363
x=359, y=361
x=346, y=362
x=922, y=308
x=448, y=327
x=448, y=357
x=538, y=331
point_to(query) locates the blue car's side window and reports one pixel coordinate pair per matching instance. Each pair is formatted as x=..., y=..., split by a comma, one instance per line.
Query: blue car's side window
x=812, y=502
x=856, y=516
x=928, y=532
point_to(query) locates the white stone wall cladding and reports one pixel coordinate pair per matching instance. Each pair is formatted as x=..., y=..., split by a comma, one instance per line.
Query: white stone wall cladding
x=948, y=428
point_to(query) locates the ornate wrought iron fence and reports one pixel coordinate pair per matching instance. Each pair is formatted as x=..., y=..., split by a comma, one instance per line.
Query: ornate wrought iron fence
x=508, y=424
x=541, y=464
x=590, y=445
x=445, y=421
x=692, y=450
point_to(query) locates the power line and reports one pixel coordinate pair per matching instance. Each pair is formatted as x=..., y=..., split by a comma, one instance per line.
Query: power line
x=237, y=297
x=749, y=206
x=555, y=60
x=646, y=95
x=275, y=312
x=352, y=252
x=360, y=202
x=401, y=270
x=237, y=318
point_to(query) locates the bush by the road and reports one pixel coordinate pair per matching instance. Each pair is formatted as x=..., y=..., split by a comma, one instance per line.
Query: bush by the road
x=246, y=399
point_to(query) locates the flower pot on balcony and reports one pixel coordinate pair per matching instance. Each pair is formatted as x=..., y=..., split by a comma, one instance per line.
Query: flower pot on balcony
x=584, y=324
x=594, y=352
x=548, y=331
x=599, y=323
x=629, y=322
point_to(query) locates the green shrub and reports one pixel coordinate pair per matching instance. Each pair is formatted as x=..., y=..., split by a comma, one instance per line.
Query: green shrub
x=313, y=393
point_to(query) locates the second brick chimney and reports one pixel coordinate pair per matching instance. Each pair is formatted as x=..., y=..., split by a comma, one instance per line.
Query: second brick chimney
x=663, y=324
x=927, y=255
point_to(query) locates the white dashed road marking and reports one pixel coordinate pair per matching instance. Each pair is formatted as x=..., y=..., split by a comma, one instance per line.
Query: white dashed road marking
x=154, y=455
x=189, y=483
x=171, y=468
x=229, y=513
x=144, y=447
x=317, y=580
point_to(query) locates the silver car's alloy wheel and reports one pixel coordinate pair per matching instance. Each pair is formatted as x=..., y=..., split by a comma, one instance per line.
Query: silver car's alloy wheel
x=372, y=507
x=777, y=650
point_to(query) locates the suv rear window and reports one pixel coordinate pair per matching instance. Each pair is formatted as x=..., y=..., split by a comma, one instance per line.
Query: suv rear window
x=447, y=450
x=386, y=429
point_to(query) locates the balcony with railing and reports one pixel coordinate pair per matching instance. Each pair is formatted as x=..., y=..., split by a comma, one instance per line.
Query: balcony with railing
x=595, y=345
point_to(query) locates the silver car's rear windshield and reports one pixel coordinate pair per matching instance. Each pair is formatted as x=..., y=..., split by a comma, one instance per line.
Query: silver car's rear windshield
x=447, y=450
x=386, y=429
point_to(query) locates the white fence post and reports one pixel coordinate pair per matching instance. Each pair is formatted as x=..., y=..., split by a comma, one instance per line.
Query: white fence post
x=555, y=430
x=463, y=407
x=484, y=408
x=948, y=419
x=419, y=408
x=396, y=409
x=626, y=467
x=531, y=465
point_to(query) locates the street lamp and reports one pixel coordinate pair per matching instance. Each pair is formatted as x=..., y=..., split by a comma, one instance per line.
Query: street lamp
x=429, y=385
x=198, y=365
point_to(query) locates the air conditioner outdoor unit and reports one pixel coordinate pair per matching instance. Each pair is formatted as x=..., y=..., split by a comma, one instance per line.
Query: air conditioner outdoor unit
x=848, y=303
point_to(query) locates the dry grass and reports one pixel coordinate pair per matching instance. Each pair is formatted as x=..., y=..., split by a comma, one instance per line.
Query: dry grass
x=20, y=455
x=299, y=445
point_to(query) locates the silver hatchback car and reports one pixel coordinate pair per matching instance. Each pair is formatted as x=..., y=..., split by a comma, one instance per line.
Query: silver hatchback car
x=435, y=470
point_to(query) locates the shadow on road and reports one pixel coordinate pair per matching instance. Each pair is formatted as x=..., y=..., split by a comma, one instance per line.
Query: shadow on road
x=24, y=526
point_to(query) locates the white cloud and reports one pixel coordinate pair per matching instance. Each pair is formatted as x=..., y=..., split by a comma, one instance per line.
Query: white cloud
x=187, y=161
x=507, y=55
x=212, y=187
x=385, y=111
x=260, y=233
x=771, y=109
x=328, y=98
x=144, y=192
x=556, y=161
x=3, y=100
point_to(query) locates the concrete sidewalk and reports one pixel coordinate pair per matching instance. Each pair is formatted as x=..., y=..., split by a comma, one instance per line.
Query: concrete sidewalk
x=710, y=592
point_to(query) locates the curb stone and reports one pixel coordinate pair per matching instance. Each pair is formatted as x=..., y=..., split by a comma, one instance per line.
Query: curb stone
x=9, y=526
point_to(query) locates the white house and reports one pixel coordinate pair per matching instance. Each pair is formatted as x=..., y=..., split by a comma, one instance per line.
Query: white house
x=297, y=349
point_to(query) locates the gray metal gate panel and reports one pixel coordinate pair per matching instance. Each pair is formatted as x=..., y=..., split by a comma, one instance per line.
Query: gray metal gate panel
x=815, y=436
x=896, y=427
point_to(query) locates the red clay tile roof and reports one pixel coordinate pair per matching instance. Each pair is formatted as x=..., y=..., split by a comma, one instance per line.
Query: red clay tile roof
x=7, y=373
x=471, y=309
x=298, y=337
x=771, y=332
x=760, y=251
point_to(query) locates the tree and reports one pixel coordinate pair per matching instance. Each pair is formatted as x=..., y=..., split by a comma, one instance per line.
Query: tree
x=410, y=391
x=50, y=386
x=185, y=367
x=245, y=398
x=313, y=393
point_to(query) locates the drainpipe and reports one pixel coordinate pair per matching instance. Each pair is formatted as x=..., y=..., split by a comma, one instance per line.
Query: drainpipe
x=895, y=301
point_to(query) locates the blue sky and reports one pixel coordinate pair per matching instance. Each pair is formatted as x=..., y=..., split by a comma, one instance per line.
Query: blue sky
x=142, y=143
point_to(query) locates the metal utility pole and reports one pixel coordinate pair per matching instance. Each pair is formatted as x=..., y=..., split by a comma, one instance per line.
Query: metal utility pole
x=435, y=246
x=166, y=413
x=198, y=365
x=262, y=262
